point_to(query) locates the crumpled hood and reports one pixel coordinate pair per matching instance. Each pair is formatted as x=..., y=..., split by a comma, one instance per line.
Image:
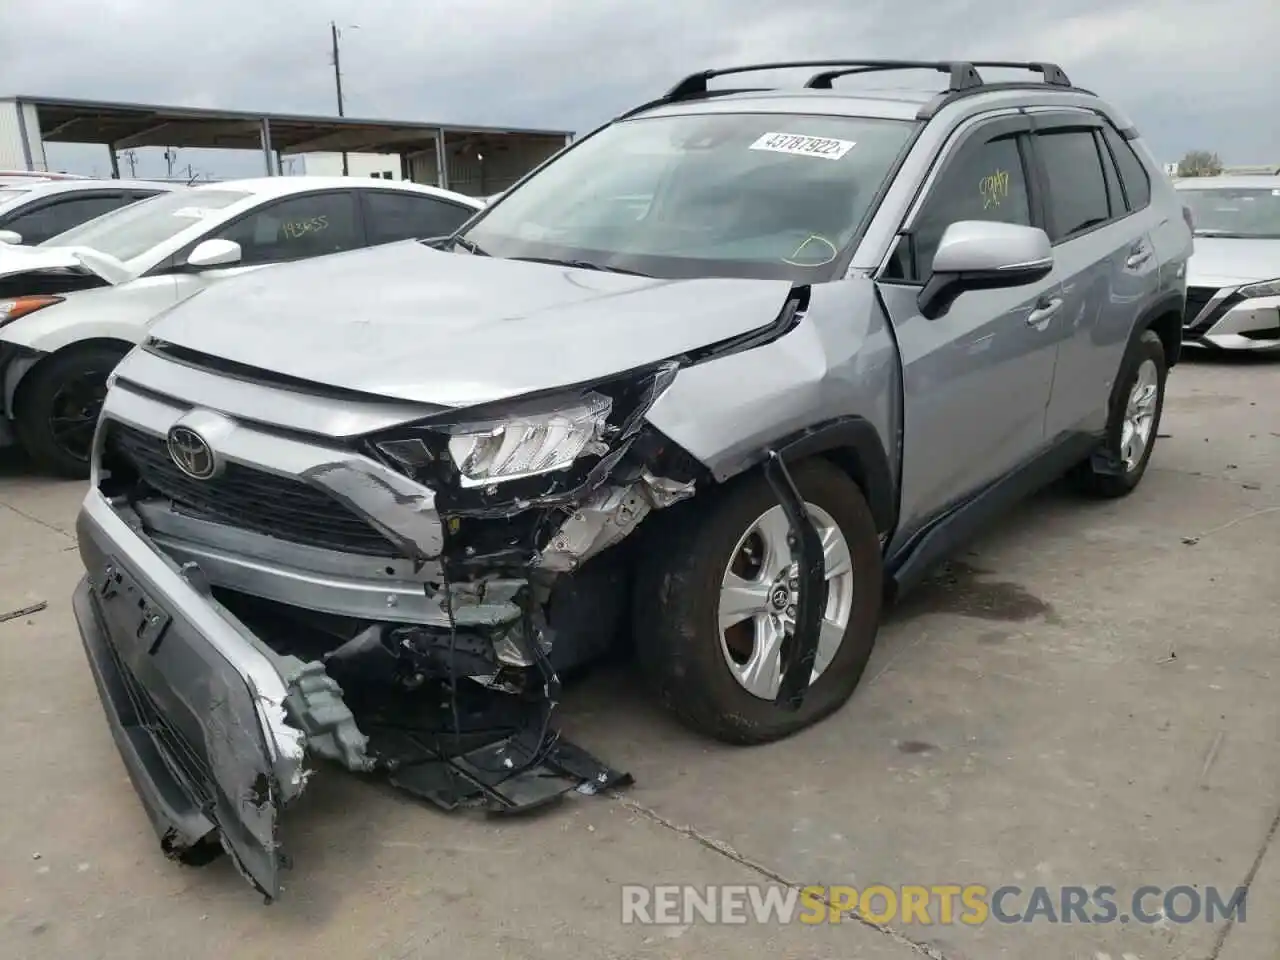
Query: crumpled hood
x=414, y=323
x=1227, y=262
x=15, y=260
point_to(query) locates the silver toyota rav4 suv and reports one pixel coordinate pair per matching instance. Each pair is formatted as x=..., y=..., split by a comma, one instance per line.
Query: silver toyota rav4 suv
x=710, y=384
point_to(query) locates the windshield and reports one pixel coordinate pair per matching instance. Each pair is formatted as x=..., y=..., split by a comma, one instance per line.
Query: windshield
x=750, y=195
x=131, y=231
x=1243, y=212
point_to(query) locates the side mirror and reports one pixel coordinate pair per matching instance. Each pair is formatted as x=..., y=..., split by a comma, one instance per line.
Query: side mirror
x=11, y=237
x=214, y=253
x=983, y=255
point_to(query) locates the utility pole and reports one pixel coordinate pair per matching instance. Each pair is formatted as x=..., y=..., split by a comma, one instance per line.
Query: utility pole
x=170, y=157
x=131, y=158
x=337, y=82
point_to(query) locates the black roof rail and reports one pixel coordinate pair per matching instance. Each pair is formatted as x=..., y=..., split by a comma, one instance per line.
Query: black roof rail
x=962, y=74
x=1054, y=75
x=963, y=79
x=695, y=85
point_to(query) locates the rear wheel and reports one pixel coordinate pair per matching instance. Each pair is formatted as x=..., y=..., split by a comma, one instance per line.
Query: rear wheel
x=716, y=598
x=57, y=406
x=1136, y=405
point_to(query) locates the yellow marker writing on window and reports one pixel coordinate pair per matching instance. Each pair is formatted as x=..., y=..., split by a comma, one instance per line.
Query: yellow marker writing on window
x=294, y=229
x=994, y=188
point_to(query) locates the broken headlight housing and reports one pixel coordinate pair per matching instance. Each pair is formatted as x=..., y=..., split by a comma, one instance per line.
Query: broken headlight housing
x=498, y=458
x=529, y=440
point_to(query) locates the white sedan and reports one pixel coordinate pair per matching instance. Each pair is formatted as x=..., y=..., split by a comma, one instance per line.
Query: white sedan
x=73, y=306
x=35, y=209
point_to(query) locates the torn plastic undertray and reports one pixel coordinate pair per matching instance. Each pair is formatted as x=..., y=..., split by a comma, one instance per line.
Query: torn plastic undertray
x=502, y=756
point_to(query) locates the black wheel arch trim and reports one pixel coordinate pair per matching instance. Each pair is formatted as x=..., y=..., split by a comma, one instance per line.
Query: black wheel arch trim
x=854, y=445
x=1173, y=304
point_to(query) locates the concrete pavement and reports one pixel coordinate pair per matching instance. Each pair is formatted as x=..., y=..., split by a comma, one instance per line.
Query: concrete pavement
x=1085, y=697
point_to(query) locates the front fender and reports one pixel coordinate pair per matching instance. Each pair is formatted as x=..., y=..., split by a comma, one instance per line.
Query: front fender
x=82, y=317
x=839, y=364
x=51, y=329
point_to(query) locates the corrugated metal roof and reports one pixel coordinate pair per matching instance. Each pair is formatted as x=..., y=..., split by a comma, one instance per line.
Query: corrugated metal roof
x=126, y=125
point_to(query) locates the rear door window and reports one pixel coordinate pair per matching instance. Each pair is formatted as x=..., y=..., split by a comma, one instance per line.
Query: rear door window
x=407, y=216
x=1075, y=183
x=1133, y=173
x=310, y=225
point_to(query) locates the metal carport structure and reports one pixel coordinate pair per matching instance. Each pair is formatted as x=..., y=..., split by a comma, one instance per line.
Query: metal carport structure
x=470, y=159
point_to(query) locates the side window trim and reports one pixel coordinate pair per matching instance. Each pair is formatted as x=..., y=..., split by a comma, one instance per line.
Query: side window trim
x=1125, y=188
x=58, y=199
x=1118, y=204
x=1015, y=125
x=1048, y=123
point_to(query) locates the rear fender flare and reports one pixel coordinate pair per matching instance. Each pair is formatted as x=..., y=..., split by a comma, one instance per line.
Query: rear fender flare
x=1164, y=316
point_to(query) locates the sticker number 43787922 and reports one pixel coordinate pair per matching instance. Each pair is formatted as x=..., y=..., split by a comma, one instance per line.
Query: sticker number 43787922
x=799, y=145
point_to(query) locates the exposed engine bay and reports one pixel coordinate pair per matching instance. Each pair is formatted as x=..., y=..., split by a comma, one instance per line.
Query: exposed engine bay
x=520, y=580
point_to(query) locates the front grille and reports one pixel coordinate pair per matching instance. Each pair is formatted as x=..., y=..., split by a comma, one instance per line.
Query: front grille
x=1197, y=299
x=249, y=499
x=187, y=762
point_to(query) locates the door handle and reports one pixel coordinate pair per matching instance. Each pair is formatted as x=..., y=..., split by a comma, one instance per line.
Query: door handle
x=1138, y=258
x=1044, y=311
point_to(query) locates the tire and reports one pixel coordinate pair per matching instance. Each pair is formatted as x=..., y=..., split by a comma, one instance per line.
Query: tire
x=74, y=377
x=1146, y=352
x=677, y=602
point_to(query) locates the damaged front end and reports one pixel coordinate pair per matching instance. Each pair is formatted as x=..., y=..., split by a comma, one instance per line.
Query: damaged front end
x=401, y=600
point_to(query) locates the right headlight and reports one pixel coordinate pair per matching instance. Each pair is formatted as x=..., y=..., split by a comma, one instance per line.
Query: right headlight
x=525, y=449
x=1267, y=288
x=540, y=438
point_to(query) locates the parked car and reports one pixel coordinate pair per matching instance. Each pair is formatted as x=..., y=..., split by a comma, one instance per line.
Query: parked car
x=1233, y=280
x=71, y=307
x=843, y=331
x=34, y=211
x=27, y=176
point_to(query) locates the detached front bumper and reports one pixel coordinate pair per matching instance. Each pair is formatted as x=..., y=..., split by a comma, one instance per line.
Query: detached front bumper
x=196, y=707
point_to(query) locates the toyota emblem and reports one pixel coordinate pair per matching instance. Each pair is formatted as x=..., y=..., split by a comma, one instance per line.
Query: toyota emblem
x=192, y=455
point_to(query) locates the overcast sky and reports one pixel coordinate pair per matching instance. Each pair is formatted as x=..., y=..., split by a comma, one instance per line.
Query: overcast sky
x=1191, y=74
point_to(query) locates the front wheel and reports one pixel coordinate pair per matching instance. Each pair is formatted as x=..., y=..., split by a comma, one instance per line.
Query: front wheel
x=57, y=406
x=1136, y=405
x=716, y=603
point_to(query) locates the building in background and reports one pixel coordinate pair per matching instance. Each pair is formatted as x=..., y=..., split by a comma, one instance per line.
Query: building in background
x=474, y=160
x=384, y=166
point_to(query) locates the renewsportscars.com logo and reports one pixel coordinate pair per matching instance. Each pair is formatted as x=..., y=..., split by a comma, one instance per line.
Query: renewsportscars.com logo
x=940, y=904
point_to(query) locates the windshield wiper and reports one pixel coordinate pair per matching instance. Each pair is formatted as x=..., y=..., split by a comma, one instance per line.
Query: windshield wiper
x=582, y=265
x=470, y=246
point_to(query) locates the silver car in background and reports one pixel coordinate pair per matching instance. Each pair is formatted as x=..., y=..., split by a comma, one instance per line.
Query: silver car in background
x=1233, y=279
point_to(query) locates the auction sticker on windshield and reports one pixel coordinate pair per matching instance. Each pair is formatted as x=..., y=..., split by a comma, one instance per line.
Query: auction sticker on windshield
x=802, y=146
